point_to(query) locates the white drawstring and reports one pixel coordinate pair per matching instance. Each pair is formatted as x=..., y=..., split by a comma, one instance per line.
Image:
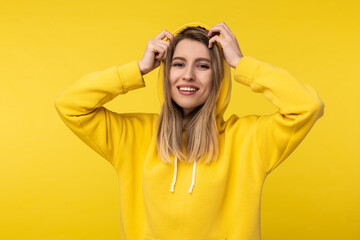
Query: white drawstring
x=193, y=178
x=175, y=174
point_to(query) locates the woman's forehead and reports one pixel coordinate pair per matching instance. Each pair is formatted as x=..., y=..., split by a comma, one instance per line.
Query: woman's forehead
x=188, y=48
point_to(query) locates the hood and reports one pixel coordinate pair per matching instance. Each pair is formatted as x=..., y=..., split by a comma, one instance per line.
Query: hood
x=225, y=88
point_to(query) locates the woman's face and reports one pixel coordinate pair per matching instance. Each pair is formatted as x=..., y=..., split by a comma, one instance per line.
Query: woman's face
x=190, y=74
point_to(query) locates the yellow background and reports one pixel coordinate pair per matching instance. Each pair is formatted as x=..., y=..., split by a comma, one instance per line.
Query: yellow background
x=53, y=186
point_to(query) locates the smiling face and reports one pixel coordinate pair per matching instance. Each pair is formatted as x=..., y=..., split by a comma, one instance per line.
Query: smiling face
x=190, y=75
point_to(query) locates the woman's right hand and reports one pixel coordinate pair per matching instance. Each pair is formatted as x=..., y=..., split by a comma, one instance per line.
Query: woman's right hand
x=155, y=51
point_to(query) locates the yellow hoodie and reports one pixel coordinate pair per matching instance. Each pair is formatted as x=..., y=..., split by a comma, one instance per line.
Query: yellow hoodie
x=181, y=201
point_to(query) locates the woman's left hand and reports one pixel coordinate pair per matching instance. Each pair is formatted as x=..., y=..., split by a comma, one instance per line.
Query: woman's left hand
x=228, y=42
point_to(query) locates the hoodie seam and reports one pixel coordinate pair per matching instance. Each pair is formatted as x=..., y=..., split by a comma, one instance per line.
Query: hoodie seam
x=258, y=147
x=271, y=168
x=248, y=75
x=121, y=80
x=93, y=143
x=286, y=148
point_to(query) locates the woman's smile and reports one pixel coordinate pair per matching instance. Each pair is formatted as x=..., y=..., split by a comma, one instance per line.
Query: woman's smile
x=186, y=89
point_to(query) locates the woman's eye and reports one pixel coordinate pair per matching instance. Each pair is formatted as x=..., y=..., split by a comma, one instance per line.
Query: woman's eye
x=204, y=66
x=177, y=64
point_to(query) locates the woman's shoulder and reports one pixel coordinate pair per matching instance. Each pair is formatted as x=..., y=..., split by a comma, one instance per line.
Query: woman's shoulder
x=243, y=122
x=139, y=122
x=143, y=117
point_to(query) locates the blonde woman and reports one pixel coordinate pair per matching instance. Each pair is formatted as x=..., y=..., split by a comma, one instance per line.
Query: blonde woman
x=187, y=173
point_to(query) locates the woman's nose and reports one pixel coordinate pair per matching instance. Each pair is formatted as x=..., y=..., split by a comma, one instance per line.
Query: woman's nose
x=188, y=74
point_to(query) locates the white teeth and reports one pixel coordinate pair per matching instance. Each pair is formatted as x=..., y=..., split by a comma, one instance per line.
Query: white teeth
x=188, y=89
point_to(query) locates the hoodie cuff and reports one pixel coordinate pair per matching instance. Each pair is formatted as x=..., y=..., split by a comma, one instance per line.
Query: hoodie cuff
x=130, y=76
x=246, y=69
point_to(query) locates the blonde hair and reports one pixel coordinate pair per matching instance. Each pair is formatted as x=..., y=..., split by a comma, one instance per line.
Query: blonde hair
x=195, y=136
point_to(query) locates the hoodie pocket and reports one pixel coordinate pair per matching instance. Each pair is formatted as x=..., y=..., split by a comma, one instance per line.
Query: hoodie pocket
x=149, y=237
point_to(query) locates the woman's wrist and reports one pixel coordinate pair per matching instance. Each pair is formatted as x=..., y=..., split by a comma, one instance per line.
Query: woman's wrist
x=141, y=68
x=237, y=61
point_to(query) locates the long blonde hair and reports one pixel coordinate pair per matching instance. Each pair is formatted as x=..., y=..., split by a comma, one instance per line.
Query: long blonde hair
x=195, y=136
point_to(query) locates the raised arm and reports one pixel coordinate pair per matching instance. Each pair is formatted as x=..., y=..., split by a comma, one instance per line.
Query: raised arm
x=81, y=107
x=299, y=106
x=110, y=134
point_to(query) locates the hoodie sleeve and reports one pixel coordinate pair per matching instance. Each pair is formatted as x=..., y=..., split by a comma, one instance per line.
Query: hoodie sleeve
x=299, y=107
x=81, y=108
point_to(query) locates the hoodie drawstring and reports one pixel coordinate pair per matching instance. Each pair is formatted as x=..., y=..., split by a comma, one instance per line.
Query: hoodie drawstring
x=175, y=174
x=193, y=178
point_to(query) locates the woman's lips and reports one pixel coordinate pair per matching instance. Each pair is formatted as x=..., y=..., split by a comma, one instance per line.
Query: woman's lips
x=187, y=93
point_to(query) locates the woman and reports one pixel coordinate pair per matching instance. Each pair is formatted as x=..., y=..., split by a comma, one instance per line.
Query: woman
x=189, y=139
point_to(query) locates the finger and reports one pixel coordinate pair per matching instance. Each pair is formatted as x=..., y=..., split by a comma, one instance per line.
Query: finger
x=216, y=39
x=225, y=26
x=164, y=46
x=222, y=24
x=158, y=45
x=165, y=53
x=162, y=43
x=221, y=28
x=212, y=29
x=164, y=33
x=159, y=52
x=157, y=41
x=160, y=56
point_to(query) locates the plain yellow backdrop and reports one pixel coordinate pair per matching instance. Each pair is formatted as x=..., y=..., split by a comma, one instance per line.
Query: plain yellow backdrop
x=53, y=186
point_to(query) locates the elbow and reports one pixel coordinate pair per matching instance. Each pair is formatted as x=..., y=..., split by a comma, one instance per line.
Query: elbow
x=317, y=105
x=59, y=105
x=321, y=108
x=318, y=108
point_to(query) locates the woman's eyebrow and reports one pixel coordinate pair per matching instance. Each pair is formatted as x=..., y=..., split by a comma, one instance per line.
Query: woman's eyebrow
x=196, y=60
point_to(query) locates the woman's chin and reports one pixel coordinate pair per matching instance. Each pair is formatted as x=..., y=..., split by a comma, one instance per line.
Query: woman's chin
x=188, y=111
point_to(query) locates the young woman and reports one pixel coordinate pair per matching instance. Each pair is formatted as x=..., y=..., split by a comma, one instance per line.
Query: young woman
x=186, y=173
